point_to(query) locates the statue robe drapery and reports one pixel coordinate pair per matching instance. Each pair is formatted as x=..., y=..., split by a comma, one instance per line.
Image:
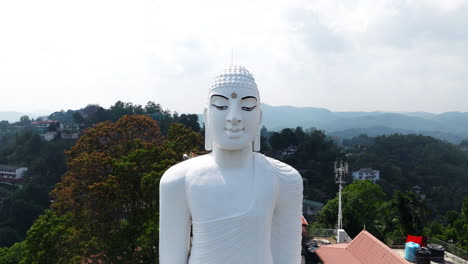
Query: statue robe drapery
x=268, y=232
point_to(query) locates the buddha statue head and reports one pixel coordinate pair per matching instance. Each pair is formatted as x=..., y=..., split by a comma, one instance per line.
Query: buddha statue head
x=233, y=114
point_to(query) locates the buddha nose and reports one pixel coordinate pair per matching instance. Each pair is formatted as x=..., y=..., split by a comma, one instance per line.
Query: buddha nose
x=233, y=116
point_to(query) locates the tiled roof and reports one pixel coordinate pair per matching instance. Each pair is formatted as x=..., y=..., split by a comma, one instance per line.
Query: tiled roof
x=364, y=249
x=312, y=203
x=336, y=254
x=9, y=167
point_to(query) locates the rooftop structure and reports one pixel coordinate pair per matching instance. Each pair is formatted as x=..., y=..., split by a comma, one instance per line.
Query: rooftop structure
x=364, y=249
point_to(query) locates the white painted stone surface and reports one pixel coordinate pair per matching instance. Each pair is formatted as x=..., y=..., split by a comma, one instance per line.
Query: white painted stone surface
x=243, y=207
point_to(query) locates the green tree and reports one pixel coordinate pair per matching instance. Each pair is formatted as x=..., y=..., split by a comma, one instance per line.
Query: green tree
x=106, y=207
x=285, y=138
x=183, y=140
x=363, y=204
x=314, y=158
x=78, y=118
x=152, y=108
x=189, y=120
x=4, y=125
x=13, y=254
x=53, y=239
x=24, y=120
x=455, y=228
x=412, y=212
x=120, y=109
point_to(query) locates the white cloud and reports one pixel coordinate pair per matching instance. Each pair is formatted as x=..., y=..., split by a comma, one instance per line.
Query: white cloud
x=339, y=54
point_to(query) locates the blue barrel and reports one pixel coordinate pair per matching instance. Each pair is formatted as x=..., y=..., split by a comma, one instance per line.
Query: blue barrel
x=410, y=251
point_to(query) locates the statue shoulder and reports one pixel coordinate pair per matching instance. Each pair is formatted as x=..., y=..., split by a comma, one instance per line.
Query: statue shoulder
x=175, y=176
x=284, y=171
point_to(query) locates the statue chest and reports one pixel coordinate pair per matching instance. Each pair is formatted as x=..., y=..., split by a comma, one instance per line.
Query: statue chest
x=214, y=194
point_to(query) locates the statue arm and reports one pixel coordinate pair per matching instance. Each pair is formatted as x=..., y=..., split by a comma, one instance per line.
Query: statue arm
x=174, y=218
x=287, y=224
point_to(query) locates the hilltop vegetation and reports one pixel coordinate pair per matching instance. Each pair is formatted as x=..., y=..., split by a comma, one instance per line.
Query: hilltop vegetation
x=46, y=163
x=393, y=207
x=106, y=206
x=21, y=145
x=440, y=169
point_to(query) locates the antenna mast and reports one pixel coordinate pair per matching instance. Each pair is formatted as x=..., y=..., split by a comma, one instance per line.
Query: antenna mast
x=341, y=168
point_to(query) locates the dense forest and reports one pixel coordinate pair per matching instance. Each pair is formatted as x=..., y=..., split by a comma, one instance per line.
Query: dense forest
x=421, y=192
x=95, y=199
x=21, y=145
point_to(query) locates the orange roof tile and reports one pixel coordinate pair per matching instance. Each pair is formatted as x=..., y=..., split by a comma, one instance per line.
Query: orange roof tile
x=364, y=249
x=337, y=253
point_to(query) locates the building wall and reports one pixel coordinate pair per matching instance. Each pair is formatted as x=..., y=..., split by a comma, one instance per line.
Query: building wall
x=366, y=174
x=12, y=176
x=21, y=172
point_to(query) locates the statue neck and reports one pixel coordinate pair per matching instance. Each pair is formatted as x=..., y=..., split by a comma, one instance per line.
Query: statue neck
x=232, y=158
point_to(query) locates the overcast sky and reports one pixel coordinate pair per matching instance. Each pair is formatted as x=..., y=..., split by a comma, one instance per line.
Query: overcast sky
x=396, y=55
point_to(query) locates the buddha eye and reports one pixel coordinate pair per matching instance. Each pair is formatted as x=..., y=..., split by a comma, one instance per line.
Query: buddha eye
x=224, y=107
x=245, y=108
x=220, y=102
x=249, y=103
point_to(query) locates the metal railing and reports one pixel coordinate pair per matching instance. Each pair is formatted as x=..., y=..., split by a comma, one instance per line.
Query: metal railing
x=322, y=232
x=458, y=252
x=450, y=248
x=395, y=243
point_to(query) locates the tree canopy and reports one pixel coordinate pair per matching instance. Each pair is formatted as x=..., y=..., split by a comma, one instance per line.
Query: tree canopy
x=106, y=206
x=406, y=161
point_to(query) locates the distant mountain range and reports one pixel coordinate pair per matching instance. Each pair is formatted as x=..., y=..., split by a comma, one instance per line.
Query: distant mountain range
x=449, y=126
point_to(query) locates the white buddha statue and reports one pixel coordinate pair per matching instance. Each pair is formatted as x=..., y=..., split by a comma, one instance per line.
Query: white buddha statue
x=242, y=207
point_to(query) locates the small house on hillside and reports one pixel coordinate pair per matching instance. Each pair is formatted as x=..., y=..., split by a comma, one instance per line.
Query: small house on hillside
x=70, y=131
x=311, y=208
x=48, y=129
x=12, y=175
x=366, y=174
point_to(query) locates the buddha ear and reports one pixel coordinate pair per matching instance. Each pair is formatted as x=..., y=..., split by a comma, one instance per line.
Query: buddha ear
x=261, y=118
x=208, y=140
x=256, y=142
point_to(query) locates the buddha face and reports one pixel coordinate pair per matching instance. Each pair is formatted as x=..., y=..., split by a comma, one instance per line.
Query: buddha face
x=233, y=117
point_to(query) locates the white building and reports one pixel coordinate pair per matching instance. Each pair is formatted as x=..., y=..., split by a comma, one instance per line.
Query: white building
x=46, y=129
x=12, y=174
x=311, y=208
x=43, y=126
x=366, y=174
x=48, y=136
x=70, y=131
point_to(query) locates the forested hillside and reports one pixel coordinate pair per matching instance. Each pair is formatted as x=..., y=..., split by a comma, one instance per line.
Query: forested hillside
x=440, y=169
x=19, y=207
x=394, y=206
x=21, y=145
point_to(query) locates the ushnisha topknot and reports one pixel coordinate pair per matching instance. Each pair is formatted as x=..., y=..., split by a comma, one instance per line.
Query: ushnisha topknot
x=235, y=76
